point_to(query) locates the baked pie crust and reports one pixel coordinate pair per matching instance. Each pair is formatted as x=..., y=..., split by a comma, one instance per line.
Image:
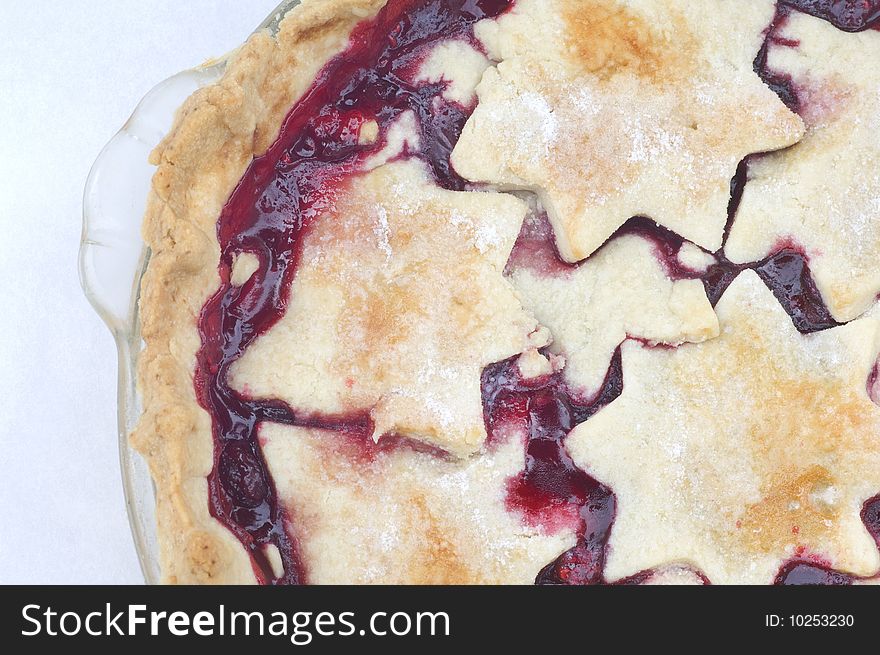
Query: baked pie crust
x=415, y=335
x=217, y=133
x=824, y=192
x=398, y=305
x=630, y=295
x=643, y=107
x=735, y=453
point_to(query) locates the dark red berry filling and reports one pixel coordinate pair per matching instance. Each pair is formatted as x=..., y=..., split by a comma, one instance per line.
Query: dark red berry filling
x=273, y=207
x=805, y=572
x=535, y=247
x=799, y=572
x=847, y=15
x=551, y=489
x=282, y=193
x=787, y=274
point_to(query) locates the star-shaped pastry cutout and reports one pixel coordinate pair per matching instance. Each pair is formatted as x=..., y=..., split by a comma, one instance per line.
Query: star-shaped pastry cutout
x=824, y=192
x=398, y=304
x=610, y=110
x=739, y=453
x=398, y=516
x=622, y=291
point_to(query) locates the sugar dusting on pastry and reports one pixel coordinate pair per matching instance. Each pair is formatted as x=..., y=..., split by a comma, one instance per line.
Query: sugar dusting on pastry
x=636, y=67
x=398, y=305
x=823, y=193
x=756, y=446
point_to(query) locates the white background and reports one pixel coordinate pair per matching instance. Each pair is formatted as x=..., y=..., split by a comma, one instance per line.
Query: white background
x=71, y=72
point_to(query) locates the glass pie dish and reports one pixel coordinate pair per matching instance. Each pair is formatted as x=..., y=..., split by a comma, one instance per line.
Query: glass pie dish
x=393, y=177
x=113, y=257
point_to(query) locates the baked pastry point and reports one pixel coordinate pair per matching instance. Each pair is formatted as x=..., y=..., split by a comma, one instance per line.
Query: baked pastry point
x=742, y=452
x=630, y=107
x=822, y=194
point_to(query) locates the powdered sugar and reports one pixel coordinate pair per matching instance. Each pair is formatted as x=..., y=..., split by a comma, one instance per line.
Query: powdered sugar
x=542, y=113
x=383, y=232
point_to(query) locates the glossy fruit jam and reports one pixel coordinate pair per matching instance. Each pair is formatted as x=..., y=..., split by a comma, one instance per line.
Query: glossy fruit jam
x=274, y=205
x=285, y=190
x=551, y=489
x=847, y=15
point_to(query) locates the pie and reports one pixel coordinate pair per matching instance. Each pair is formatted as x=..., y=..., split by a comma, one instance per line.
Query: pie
x=530, y=292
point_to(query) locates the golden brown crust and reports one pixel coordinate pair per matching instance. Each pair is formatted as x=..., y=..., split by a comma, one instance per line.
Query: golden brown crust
x=763, y=445
x=404, y=517
x=823, y=193
x=634, y=107
x=439, y=505
x=398, y=304
x=606, y=40
x=215, y=136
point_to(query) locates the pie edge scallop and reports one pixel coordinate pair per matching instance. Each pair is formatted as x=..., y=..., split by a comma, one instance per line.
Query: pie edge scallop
x=215, y=135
